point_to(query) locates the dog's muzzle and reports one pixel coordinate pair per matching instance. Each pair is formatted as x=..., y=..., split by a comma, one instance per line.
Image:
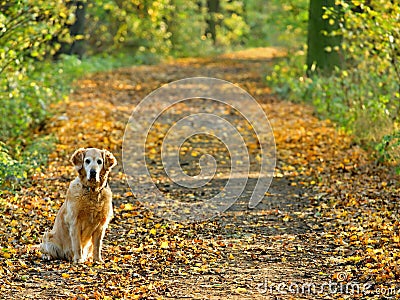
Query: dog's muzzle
x=92, y=174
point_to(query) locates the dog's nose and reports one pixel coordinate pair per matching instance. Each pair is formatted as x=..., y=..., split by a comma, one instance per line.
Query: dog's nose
x=92, y=173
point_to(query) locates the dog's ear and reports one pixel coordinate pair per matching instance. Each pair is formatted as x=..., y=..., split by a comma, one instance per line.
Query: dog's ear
x=109, y=160
x=77, y=158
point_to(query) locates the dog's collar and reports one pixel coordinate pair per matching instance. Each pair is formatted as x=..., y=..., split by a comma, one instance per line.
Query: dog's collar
x=91, y=189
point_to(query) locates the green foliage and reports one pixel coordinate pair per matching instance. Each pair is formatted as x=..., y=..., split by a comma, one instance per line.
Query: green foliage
x=166, y=27
x=137, y=25
x=27, y=36
x=367, y=89
x=276, y=23
x=232, y=28
x=389, y=148
x=31, y=33
x=15, y=168
x=22, y=151
x=159, y=27
x=187, y=25
x=27, y=30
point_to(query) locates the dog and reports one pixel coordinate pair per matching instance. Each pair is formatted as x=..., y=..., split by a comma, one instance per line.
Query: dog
x=83, y=218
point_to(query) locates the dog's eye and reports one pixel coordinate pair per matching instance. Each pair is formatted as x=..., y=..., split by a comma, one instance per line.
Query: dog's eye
x=99, y=161
x=87, y=161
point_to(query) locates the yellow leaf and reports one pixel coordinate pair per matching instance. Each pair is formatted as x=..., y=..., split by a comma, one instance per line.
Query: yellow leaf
x=128, y=194
x=153, y=231
x=241, y=290
x=138, y=249
x=164, y=245
x=65, y=275
x=128, y=206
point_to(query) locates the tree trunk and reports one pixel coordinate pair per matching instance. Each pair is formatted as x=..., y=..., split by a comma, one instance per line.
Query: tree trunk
x=323, y=49
x=77, y=31
x=213, y=8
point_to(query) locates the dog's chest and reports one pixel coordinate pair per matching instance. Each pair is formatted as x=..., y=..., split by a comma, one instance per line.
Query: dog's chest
x=97, y=216
x=94, y=210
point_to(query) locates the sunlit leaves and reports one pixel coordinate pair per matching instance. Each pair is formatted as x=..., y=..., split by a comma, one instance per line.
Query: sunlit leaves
x=27, y=26
x=145, y=27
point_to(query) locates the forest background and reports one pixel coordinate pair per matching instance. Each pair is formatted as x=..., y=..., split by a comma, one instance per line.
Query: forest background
x=343, y=60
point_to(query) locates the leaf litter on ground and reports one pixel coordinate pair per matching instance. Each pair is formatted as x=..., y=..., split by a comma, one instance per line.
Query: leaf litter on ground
x=331, y=214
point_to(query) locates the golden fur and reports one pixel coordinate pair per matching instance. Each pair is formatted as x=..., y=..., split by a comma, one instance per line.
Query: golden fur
x=84, y=216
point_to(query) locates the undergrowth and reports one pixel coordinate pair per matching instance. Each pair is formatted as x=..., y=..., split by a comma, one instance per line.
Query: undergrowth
x=363, y=96
x=24, y=147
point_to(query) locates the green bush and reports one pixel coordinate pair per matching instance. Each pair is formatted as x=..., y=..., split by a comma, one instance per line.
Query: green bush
x=366, y=90
x=27, y=36
x=232, y=28
x=15, y=169
x=23, y=152
x=390, y=144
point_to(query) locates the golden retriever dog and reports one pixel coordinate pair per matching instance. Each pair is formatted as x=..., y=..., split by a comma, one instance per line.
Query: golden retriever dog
x=83, y=218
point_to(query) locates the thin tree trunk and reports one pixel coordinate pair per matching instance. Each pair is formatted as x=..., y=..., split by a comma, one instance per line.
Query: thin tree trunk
x=323, y=49
x=213, y=8
x=77, y=31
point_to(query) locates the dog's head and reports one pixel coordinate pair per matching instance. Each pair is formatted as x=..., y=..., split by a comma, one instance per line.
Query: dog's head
x=93, y=165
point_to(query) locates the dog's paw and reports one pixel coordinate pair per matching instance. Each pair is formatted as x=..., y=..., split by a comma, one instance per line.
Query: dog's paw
x=98, y=260
x=78, y=261
x=46, y=257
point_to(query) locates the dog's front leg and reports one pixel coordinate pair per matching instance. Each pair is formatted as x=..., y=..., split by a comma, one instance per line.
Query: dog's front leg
x=98, y=243
x=75, y=234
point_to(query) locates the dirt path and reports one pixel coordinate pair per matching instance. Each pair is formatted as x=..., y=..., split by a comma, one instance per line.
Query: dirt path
x=315, y=232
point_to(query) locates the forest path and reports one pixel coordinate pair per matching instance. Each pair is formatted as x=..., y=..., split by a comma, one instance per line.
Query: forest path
x=304, y=235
